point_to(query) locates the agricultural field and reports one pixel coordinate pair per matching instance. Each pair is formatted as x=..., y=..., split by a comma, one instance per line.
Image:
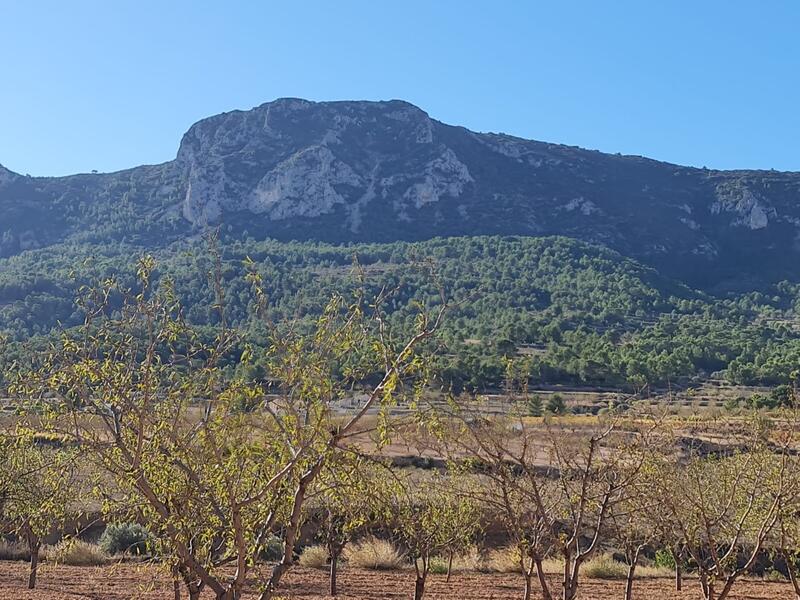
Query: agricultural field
x=129, y=582
x=152, y=454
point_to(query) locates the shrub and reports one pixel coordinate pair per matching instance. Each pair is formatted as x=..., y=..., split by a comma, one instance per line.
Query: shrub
x=471, y=560
x=315, y=557
x=605, y=567
x=273, y=549
x=130, y=538
x=76, y=553
x=774, y=575
x=373, y=553
x=664, y=559
x=439, y=565
x=14, y=551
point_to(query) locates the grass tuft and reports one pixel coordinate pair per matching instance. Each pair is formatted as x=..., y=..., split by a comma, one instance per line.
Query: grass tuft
x=76, y=553
x=314, y=557
x=604, y=566
x=374, y=553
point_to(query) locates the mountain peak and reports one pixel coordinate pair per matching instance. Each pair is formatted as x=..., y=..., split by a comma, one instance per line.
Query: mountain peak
x=6, y=175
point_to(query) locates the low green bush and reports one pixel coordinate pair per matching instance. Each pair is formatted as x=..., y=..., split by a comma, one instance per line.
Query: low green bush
x=127, y=538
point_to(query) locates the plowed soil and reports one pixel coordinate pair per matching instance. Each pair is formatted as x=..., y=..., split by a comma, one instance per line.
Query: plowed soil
x=146, y=582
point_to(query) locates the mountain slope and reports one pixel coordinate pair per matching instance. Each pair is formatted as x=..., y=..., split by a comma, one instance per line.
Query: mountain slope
x=385, y=171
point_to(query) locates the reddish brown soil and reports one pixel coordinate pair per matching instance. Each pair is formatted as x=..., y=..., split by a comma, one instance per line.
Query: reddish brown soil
x=143, y=582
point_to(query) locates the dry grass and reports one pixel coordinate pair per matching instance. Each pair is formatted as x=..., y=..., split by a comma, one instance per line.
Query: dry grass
x=314, y=557
x=653, y=571
x=503, y=560
x=603, y=566
x=471, y=560
x=14, y=551
x=373, y=553
x=76, y=553
x=507, y=560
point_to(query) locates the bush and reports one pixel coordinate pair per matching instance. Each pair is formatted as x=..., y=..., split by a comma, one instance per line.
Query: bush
x=129, y=538
x=438, y=565
x=664, y=559
x=373, y=553
x=14, y=551
x=314, y=557
x=605, y=567
x=76, y=553
x=273, y=548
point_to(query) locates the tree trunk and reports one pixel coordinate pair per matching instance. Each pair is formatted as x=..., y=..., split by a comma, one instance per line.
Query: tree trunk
x=34, y=544
x=194, y=592
x=419, y=587
x=526, y=595
x=34, y=548
x=193, y=588
x=176, y=585
x=334, y=567
x=792, y=574
x=707, y=586
x=542, y=579
x=292, y=529
x=678, y=575
x=570, y=581
x=570, y=591
x=629, y=582
x=449, y=566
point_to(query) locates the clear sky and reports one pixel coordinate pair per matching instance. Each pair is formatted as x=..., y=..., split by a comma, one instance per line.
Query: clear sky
x=114, y=83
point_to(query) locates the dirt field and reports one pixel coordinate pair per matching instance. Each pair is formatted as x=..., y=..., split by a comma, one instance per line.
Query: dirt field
x=128, y=581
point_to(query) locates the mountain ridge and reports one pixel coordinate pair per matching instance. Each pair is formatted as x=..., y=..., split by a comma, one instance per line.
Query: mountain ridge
x=356, y=171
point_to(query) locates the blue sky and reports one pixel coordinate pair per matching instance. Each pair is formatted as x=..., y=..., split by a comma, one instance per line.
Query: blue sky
x=108, y=85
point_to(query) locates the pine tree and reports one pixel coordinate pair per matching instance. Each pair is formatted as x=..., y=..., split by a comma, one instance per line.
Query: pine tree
x=535, y=407
x=556, y=405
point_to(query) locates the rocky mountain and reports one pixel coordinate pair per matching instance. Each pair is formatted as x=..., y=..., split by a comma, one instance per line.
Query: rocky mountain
x=383, y=171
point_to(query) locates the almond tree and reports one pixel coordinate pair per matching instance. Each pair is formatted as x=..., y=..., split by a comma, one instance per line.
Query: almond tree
x=344, y=503
x=481, y=448
x=41, y=487
x=632, y=528
x=787, y=541
x=215, y=463
x=724, y=508
x=429, y=516
x=570, y=478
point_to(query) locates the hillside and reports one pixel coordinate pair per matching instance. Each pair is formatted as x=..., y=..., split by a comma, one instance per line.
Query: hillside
x=580, y=313
x=386, y=171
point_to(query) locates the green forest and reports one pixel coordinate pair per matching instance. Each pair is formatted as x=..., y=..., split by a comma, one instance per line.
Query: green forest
x=571, y=312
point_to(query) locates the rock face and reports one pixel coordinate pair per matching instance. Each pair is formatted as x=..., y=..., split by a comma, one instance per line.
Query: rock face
x=380, y=171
